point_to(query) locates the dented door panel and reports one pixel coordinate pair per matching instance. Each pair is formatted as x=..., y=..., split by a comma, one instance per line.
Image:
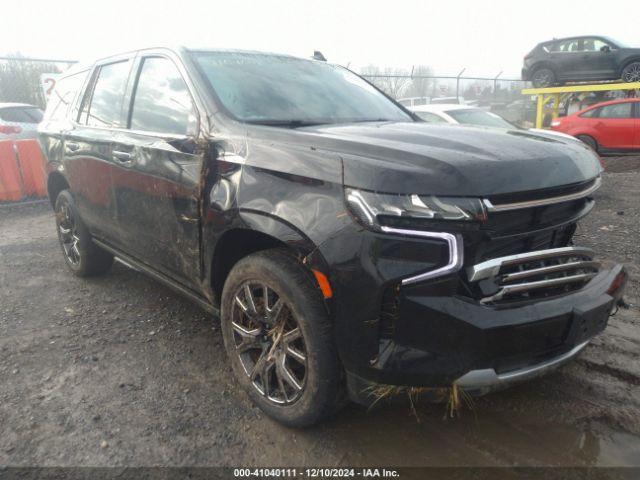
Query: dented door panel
x=156, y=191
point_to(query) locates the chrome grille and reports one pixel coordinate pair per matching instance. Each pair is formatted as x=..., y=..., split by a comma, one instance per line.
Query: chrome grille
x=533, y=275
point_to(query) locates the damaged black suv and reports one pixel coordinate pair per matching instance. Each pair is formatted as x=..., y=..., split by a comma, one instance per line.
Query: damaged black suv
x=343, y=242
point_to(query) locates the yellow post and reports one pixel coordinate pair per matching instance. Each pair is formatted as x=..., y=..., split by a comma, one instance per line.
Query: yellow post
x=556, y=105
x=539, y=110
x=556, y=93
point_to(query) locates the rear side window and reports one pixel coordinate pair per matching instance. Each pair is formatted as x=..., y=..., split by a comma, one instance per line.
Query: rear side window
x=617, y=110
x=161, y=101
x=590, y=113
x=567, y=46
x=21, y=114
x=430, y=117
x=106, y=101
x=63, y=95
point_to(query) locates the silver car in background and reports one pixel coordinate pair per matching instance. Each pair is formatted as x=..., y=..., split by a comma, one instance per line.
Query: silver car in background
x=19, y=121
x=469, y=115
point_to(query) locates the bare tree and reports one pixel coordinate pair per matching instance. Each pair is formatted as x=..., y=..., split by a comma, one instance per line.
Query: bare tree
x=421, y=83
x=373, y=73
x=392, y=81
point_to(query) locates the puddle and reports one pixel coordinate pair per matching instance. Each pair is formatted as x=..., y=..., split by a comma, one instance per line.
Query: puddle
x=392, y=436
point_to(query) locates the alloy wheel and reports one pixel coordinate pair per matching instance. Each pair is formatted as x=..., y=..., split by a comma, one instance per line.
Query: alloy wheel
x=542, y=78
x=269, y=343
x=69, y=238
x=632, y=73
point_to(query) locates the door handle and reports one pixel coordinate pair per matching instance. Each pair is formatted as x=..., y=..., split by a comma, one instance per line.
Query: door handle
x=122, y=156
x=73, y=146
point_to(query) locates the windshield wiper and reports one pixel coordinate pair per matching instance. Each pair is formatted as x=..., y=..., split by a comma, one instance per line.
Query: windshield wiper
x=371, y=120
x=284, y=123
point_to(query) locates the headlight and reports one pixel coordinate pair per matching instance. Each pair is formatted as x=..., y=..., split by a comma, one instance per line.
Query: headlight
x=375, y=209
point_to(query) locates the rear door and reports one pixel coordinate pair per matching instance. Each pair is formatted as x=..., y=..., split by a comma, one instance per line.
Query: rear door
x=88, y=158
x=615, y=126
x=566, y=57
x=156, y=180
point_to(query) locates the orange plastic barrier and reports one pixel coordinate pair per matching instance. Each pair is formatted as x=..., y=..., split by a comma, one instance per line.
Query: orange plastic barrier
x=31, y=165
x=10, y=180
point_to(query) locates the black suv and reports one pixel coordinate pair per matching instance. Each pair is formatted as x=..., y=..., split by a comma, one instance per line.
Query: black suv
x=343, y=242
x=579, y=59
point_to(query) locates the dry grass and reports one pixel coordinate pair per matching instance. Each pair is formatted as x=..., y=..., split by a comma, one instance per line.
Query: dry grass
x=454, y=396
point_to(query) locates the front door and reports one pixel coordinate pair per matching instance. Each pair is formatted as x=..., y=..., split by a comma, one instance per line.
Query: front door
x=156, y=179
x=598, y=59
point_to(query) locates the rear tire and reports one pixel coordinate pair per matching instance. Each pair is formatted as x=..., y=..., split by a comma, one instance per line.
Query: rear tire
x=543, y=77
x=590, y=141
x=81, y=255
x=631, y=72
x=291, y=373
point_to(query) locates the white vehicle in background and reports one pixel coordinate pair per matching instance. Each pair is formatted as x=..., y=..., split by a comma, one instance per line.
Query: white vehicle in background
x=19, y=121
x=410, y=102
x=469, y=115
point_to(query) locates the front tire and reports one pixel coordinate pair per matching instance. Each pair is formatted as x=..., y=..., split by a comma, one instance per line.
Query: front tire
x=543, y=77
x=279, y=340
x=631, y=72
x=81, y=255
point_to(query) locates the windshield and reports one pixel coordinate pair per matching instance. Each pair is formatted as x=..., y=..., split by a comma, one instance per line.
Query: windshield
x=263, y=88
x=616, y=42
x=479, y=117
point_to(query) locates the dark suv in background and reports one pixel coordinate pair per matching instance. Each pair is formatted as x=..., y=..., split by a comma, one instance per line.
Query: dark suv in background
x=343, y=242
x=580, y=59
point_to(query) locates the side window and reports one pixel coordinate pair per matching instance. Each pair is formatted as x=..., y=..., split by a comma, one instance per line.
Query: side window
x=617, y=110
x=63, y=95
x=104, y=108
x=594, y=45
x=161, y=102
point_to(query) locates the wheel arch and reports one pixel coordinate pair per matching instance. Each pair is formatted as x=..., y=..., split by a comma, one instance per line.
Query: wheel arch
x=544, y=64
x=575, y=132
x=626, y=62
x=56, y=182
x=258, y=232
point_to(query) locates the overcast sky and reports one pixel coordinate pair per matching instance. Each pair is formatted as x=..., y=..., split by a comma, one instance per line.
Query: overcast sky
x=482, y=36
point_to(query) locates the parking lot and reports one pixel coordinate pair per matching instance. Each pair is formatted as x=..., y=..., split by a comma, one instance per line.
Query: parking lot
x=119, y=370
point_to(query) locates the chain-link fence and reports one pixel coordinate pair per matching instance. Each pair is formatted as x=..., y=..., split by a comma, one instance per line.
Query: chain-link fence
x=28, y=80
x=499, y=95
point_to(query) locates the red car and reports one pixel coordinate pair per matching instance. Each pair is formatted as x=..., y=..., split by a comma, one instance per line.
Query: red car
x=607, y=127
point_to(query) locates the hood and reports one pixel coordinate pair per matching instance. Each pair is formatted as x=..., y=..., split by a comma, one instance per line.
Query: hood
x=459, y=160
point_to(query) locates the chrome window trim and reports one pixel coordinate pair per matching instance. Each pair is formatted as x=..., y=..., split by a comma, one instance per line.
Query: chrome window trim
x=542, y=201
x=456, y=256
x=490, y=268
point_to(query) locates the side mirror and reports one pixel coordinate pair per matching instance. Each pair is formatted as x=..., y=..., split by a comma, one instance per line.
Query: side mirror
x=605, y=48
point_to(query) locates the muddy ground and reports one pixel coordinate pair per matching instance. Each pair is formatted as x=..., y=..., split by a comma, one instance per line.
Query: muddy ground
x=119, y=370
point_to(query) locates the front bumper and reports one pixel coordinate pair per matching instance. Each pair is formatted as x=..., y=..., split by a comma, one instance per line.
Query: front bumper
x=439, y=340
x=479, y=382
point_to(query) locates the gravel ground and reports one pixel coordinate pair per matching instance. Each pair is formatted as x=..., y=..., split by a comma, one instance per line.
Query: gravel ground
x=120, y=371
